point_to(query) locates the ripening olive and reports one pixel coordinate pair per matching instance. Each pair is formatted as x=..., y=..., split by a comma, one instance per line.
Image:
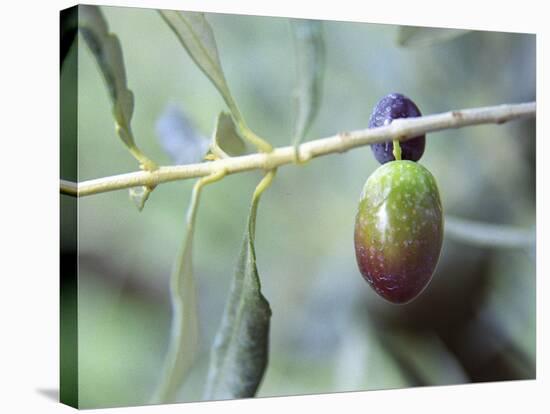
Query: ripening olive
x=399, y=230
x=391, y=107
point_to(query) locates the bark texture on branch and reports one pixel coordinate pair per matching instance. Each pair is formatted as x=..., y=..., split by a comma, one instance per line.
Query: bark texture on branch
x=400, y=129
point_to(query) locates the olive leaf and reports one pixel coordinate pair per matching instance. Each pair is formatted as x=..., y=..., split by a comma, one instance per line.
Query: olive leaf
x=425, y=356
x=139, y=195
x=179, y=138
x=184, y=337
x=510, y=307
x=106, y=49
x=240, y=351
x=362, y=361
x=195, y=34
x=411, y=36
x=226, y=137
x=68, y=28
x=310, y=66
x=482, y=234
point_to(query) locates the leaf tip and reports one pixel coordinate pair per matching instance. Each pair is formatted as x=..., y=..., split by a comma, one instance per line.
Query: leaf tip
x=139, y=196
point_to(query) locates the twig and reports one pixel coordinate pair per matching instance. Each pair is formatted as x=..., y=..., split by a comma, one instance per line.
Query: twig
x=400, y=129
x=488, y=235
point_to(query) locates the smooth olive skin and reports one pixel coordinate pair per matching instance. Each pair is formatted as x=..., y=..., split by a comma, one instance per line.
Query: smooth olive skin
x=399, y=230
x=389, y=108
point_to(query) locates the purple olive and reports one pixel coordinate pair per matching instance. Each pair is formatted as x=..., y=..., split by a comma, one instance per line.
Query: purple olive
x=391, y=107
x=399, y=230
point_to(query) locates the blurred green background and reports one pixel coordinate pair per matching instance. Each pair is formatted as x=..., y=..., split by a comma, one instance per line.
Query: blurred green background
x=330, y=332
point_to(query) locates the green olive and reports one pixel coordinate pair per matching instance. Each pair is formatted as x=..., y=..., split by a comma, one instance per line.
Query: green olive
x=399, y=230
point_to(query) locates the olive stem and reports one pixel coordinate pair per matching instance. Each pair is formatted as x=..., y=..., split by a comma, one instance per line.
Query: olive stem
x=396, y=150
x=400, y=130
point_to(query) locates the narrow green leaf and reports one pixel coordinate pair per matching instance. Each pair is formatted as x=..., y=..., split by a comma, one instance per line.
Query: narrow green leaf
x=310, y=66
x=362, y=361
x=68, y=29
x=240, y=350
x=139, y=195
x=179, y=137
x=226, y=136
x=411, y=36
x=106, y=48
x=426, y=355
x=108, y=53
x=184, y=335
x=195, y=34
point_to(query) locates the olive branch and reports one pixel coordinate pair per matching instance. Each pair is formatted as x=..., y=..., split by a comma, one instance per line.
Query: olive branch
x=240, y=351
x=399, y=129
